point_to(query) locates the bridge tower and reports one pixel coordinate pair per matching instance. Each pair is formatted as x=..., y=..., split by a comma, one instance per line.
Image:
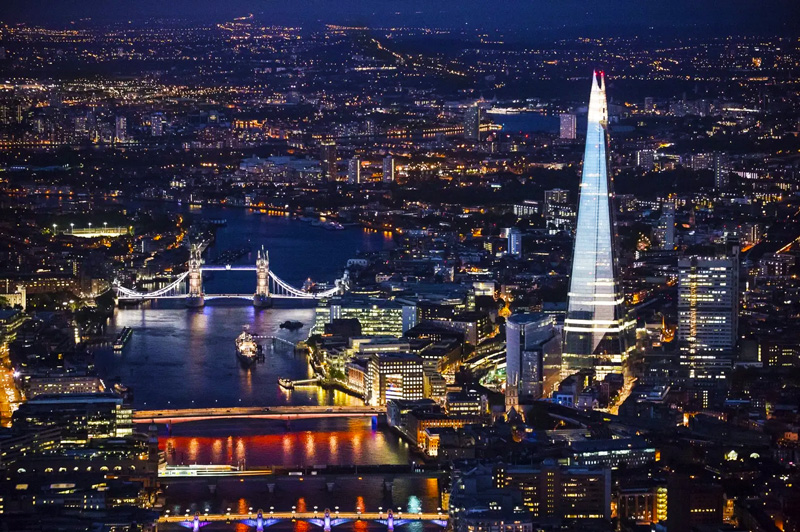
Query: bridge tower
x=196, y=298
x=262, y=298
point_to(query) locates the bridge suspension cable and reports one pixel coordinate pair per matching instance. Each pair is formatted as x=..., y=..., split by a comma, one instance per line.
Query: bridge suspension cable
x=292, y=291
x=127, y=293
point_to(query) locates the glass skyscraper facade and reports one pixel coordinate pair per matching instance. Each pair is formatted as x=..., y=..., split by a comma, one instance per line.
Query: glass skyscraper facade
x=596, y=331
x=708, y=308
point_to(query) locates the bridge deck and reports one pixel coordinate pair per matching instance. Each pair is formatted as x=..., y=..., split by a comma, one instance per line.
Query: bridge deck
x=207, y=296
x=302, y=516
x=254, y=412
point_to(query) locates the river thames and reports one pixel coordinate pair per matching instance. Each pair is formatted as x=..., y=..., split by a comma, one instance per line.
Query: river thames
x=183, y=358
x=180, y=358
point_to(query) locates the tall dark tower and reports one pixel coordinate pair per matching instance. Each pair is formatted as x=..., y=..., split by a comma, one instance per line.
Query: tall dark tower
x=596, y=330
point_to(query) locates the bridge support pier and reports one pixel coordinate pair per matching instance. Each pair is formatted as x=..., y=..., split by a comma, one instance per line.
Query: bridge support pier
x=271, y=487
x=260, y=301
x=195, y=301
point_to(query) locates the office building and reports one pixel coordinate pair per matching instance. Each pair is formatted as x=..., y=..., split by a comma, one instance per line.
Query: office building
x=388, y=169
x=65, y=384
x=16, y=296
x=11, y=320
x=596, y=329
x=393, y=376
x=418, y=422
x=354, y=171
x=514, y=237
x=567, y=126
x=646, y=159
x=701, y=161
x=665, y=231
x=472, y=123
x=377, y=317
x=467, y=402
x=692, y=501
x=15, y=445
x=82, y=416
x=613, y=453
x=560, y=218
x=554, y=197
x=722, y=171
x=328, y=161
x=121, y=129
x=559, y=215
x=157, y=124
x=526, y=208
x=643, y=503
x=533, y=356
x=708, y=305
x=550, y=490
x=476, y=325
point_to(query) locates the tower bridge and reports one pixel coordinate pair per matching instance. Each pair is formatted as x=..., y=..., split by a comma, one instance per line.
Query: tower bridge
x=189, y=285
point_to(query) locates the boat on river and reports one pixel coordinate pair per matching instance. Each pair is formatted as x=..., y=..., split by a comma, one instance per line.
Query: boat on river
x=247, y=350
x=122, y=338
x=286, y=384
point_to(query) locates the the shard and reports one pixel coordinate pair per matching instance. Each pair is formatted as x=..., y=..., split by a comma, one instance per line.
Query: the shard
x=596, y=329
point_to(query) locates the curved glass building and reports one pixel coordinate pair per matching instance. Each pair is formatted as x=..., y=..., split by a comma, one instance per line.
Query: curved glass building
x=596, y=330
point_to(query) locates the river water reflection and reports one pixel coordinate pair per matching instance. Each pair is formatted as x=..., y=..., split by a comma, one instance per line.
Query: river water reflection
x=183, y=358
x=179, y=358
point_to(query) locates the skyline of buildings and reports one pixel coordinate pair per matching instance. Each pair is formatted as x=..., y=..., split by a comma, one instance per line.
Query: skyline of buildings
x=495, y=317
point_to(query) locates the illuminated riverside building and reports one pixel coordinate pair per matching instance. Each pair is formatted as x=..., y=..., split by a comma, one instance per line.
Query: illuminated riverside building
x=393, y=376
x=596, y=329
x=377, y=317
x=64, y=385
x=708, y=307
x=82, y=416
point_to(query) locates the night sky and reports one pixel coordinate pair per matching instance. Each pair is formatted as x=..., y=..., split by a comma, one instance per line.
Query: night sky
x=531, y=18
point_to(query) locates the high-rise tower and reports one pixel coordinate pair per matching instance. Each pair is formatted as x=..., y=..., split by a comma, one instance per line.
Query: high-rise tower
x=261, y=298
x=196, y=297
x=596, y=331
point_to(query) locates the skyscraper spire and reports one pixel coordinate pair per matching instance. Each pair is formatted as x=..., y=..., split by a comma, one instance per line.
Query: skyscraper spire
x=595, y=327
